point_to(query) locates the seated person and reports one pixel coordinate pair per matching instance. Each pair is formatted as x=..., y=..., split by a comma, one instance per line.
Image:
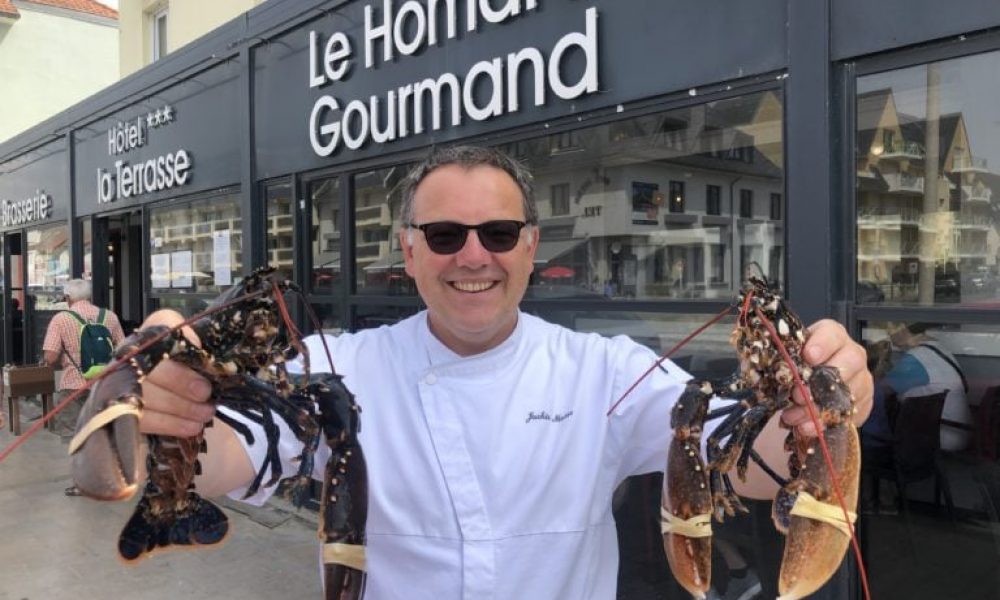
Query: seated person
x=925, y=367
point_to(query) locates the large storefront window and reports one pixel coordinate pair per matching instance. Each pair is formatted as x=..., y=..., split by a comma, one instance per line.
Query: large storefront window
x=930, y=480
x=48, y=265
x=669, y=205
x=928, y=241
x=195, y=249
x=927, y=145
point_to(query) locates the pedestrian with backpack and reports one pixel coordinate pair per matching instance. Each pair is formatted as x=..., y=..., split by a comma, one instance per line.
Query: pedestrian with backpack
x=79, y=340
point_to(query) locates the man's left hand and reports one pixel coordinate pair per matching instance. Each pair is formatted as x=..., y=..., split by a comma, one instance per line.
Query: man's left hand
x=829, y=344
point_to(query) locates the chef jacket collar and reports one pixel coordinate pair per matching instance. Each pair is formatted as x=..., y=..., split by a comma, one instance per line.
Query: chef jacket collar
x=440, y=358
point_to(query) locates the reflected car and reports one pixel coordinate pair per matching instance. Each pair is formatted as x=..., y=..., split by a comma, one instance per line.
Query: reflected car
x=981, y=280
x=869, y=292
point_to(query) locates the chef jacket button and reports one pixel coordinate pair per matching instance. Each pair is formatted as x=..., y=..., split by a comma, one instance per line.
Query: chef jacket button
x=431, y=379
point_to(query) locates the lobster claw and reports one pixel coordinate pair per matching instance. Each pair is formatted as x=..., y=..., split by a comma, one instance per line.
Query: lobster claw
x=806, y=509
x=106, y=451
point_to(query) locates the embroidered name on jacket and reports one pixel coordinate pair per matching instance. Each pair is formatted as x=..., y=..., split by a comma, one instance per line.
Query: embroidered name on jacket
x=544, y=416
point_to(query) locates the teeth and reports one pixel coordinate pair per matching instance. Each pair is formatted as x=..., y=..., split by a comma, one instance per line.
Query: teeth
x=472, y=286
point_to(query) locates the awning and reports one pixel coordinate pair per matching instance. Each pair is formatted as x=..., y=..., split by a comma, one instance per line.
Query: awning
x=550, y=250
x=557, y=272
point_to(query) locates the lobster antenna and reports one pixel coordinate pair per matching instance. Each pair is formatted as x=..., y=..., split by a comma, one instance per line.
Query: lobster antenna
x=317, y=326
x=811, y=409
x=667, y=355
x=117, y=364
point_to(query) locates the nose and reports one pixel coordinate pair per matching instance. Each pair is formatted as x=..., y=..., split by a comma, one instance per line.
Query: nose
x=473, y=254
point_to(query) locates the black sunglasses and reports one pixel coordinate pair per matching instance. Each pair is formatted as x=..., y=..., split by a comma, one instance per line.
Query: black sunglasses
x=447, y=237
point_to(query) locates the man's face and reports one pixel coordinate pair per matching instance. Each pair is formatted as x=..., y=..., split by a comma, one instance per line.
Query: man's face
x=472, y=295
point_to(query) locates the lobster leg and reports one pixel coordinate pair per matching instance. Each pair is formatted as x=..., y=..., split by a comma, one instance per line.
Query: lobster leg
x=724, y=497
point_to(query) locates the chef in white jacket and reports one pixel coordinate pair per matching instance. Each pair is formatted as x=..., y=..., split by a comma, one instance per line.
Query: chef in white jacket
x=491, y=457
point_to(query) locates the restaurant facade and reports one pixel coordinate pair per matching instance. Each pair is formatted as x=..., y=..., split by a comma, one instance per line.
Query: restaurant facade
x=844, y=149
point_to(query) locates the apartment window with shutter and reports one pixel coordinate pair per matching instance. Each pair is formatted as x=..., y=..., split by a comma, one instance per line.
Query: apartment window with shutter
x=713, y=200
x=746, y=204
x=560, y=199
x=158, y=28
x=676, y=196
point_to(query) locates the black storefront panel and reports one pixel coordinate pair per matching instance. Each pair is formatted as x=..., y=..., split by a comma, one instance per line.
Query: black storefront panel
x=34, y=187
x=326, y=91
x=175, y=142
x=861, y=27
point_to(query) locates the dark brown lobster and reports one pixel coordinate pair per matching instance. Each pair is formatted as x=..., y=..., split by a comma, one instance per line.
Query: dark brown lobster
x=807, y=508
x=243, y=352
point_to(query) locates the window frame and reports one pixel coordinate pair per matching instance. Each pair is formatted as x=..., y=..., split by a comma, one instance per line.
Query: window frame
x=157, y=40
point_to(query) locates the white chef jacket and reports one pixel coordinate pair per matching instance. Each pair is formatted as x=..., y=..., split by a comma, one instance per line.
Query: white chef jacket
x=491, y=476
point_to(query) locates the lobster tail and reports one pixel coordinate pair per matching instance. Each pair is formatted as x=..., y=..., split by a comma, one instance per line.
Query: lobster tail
x=202, y=524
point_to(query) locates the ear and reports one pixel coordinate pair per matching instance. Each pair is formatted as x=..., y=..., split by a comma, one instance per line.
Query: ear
x=533, y=236
x=406, y=245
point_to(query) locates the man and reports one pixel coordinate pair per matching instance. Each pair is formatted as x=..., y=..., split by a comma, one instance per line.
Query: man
x=491, y=460
x=61, y=347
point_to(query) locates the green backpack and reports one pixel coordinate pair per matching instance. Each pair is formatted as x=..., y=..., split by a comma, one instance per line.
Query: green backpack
x=96, y=347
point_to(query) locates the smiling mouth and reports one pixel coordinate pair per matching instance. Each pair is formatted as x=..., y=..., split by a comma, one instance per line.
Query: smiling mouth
x=473, y=287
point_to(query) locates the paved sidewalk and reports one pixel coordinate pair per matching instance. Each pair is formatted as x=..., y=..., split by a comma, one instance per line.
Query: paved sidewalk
x=54, y=547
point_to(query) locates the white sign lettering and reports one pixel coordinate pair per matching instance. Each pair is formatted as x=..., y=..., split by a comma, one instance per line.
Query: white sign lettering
x=156, y=174
x=489, y=89
x=20, y=212
x=152, y=175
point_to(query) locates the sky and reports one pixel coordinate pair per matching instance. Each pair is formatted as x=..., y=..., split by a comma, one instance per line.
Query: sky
x=969, y=85
x=112, y=3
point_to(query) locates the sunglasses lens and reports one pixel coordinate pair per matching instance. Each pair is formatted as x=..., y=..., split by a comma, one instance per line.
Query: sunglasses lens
x=445, y=238
x=499, y=236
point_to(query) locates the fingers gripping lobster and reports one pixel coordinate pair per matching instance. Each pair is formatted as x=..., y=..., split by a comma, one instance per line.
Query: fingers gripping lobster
x=242, y=353
x=806, y=508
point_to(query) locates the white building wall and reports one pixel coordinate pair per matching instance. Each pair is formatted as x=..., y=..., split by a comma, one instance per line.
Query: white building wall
x=187, y=20
x=50, y=59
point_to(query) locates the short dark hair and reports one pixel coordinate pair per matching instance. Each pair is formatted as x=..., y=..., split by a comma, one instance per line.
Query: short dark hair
x=469, y=157
x=918, y=328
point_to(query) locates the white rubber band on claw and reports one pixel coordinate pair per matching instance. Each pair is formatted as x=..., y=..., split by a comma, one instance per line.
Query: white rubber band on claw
x=809, y=507
x=349, y=555
x=695, y=527
x=100, y=420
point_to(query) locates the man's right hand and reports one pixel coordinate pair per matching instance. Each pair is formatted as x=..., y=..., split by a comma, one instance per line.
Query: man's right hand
x=174, y=397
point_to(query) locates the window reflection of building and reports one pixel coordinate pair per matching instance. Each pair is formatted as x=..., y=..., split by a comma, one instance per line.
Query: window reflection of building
x=620, y=204
x=920, y=241
x=48, y=265
x=325, y=197
x=651, y=190
x=280, y=227
x=189, y=238
x=379, y=260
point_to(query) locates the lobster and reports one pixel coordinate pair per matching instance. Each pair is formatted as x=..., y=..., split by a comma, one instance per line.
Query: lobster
x=807, y=509
x=243, y=353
